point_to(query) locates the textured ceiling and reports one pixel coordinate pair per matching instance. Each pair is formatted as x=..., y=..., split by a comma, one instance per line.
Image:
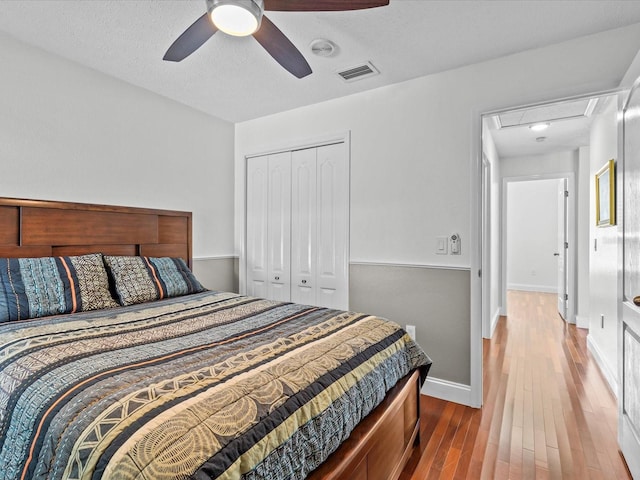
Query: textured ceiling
x=235, y=79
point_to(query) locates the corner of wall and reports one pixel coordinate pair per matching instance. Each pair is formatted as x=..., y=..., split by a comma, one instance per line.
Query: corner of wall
x=582, y=321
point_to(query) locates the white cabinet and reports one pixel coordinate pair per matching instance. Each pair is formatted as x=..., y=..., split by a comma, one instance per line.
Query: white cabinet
x=298, y=226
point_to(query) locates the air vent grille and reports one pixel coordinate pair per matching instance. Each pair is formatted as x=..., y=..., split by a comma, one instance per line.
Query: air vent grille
x=358, y=72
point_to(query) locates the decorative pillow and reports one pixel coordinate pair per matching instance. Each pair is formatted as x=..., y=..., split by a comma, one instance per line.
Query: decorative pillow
x=37, y=287
x=143, y=279
x=93, y=282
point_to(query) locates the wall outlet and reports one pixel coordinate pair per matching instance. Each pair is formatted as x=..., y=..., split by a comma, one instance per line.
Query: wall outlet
x=411, y=330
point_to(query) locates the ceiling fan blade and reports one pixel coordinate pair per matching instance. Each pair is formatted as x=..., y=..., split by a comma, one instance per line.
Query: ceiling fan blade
x=321, y=5
x=281, y=48
x=191, y=39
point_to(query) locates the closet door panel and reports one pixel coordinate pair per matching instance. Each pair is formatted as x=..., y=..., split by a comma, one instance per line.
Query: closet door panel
x=333, y=226
x=279, y=227
x=303, y=227
x=257, y=221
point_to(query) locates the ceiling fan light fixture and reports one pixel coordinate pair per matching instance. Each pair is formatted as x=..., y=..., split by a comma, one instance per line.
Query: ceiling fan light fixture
x=239, y=18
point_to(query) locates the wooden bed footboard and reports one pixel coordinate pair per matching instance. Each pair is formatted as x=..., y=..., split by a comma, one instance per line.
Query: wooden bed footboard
x=380, y=446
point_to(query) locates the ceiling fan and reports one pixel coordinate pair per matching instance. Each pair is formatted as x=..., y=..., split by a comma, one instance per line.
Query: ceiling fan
x=246, y=17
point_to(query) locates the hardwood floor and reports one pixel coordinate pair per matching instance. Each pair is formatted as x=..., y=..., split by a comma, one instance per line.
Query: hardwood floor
x=548, y=412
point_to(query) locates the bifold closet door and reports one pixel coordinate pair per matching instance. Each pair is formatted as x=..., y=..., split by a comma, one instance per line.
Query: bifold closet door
x=304, y=229
x=332, y=211
x=279, y=228
x=319, y=226
x=298, y=225
x=257, y=222
x=269, y=226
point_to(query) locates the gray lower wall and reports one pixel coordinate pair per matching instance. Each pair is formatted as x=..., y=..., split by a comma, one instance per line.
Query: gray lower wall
x=218, y=273
x=435, y=300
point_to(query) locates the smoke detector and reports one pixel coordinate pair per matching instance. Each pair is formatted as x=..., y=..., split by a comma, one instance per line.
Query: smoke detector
x=323, y=48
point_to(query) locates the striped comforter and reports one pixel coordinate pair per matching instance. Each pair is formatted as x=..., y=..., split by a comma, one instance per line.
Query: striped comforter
x=213, y=385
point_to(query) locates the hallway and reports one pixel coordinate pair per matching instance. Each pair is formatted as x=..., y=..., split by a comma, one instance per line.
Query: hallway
x=548, y=412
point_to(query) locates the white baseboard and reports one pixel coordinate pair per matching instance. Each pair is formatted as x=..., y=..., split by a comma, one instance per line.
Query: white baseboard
x=610, y=375
x=494, y=321
x=582, y=322
x=446, y=390
x=532, y=288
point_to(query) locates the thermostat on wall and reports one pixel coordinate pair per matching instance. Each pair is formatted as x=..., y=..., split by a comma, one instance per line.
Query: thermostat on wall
x=454, y=241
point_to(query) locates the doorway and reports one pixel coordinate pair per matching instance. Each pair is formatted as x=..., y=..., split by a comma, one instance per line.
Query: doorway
x=548, y=141
x=537, y=219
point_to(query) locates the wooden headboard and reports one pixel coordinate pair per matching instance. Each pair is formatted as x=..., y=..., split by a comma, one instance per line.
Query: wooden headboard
x=39, y=228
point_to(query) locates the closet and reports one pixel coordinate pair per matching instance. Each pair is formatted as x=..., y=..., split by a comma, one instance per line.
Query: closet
x=298, y=226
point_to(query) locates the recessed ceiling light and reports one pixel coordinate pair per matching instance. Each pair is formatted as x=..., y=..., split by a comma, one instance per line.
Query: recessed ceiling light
x=538, y=127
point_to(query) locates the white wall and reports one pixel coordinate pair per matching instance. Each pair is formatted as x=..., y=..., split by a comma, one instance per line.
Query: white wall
x=531, y=165
x=70, y=133
x=413, y=144
x=602, y=339
x=532, y=235
x=584, y=245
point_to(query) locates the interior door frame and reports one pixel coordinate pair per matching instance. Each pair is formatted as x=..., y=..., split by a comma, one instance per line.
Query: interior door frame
x=486, y=272
x=563, y=209
x=288, y=146
x=480, y=295
x=571, y=226
x=628, y=440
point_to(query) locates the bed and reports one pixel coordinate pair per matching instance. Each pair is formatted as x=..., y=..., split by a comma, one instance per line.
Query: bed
x=131, y=369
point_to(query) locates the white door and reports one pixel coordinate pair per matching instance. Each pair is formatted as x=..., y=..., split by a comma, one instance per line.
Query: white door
x=561, y=248
x=257, y=221
x=279, y=227
x=629, y=323
x=333, y=226
x=298, y=226
x=320, y=226
x=303, y=227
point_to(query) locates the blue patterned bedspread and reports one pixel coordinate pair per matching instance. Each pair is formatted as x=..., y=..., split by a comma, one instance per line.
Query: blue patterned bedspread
x=213, y=385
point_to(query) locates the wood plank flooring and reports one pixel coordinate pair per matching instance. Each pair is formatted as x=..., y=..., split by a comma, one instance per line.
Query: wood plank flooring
x=547, y=414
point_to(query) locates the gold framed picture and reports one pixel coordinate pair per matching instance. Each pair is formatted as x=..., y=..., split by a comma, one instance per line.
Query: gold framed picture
x=606, y=195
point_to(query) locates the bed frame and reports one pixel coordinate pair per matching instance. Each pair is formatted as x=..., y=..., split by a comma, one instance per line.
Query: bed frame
x=38, y=228
x=379, y=447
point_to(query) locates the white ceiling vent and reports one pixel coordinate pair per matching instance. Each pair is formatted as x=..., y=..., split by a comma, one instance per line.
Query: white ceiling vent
x=358, y=72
